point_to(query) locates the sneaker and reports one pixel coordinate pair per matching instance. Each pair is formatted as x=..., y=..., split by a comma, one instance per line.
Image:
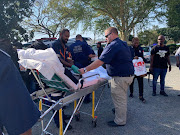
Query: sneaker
x=163, y=93
x=131, y=95
x=142, y=99
x=154, y=94
x=113, y=124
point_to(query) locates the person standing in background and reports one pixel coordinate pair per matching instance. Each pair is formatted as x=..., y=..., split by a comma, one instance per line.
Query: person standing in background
x=137, y=51
x=100, y=49
x=159, y=64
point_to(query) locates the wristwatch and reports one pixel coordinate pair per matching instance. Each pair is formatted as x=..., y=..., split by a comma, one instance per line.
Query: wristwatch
x=85, y=70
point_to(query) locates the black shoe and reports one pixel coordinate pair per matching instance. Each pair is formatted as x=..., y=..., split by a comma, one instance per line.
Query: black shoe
x=131, y=95
x=154, y=94
x=142, y=99
x=113, y=124
x=66, y=117
x=178, y=95
x=163, y=93
x=113, y=110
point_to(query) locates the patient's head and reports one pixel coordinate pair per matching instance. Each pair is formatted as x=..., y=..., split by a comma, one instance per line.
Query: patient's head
x=64, y=35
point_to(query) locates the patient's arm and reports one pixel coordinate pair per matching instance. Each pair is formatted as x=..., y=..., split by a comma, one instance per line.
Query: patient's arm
x=92, y=66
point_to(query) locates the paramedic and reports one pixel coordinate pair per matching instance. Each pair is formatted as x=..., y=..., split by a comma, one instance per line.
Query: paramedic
x=159, y=64
x=81, y=53
x=18, y=112
x=117, y=57
x=64, y=55
x=137, y=51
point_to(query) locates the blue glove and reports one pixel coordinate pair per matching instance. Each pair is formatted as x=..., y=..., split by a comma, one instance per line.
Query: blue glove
x=75, y=69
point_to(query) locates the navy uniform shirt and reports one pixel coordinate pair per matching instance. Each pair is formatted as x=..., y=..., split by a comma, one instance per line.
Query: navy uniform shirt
x=63, y=52
x=117, y=57
x=80, y=52
x=137, y=51
x=18, y=112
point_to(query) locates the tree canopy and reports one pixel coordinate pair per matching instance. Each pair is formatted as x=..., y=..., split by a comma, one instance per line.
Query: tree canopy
x=122, y=14
x=173, y=13
x=12, y=12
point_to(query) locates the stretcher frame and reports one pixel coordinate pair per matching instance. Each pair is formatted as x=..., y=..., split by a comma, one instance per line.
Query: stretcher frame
x=57, y=106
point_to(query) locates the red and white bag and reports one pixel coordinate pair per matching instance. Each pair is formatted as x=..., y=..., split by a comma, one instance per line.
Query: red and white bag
x=139, y=67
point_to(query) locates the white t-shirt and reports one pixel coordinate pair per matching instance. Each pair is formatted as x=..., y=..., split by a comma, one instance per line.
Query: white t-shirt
x=177, y=52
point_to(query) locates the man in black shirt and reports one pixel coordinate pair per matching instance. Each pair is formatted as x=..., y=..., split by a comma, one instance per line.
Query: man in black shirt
x=159, y=64
x=137, y=51
x=100, y=49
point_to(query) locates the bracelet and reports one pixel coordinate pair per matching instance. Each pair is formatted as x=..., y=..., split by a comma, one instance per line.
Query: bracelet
x=85, y=70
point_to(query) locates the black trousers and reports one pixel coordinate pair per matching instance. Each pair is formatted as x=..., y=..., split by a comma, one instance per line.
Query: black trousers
x=140, y=84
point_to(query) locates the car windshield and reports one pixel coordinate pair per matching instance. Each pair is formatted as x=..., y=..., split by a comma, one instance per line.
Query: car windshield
x=146, y=49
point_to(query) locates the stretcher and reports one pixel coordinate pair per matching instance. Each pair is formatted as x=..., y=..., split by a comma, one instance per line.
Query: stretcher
x=40, y=61
x=57, y=84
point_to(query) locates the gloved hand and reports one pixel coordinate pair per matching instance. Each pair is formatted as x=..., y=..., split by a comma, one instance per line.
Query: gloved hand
x=75, y=69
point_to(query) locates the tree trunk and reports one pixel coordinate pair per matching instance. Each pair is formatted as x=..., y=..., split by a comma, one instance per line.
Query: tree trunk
x=124, y=36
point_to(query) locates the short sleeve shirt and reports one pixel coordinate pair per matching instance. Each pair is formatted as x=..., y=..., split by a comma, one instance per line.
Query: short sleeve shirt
x=63, y=52
x=18, y=112
x=160, y=56
x=178, y=52
x=80, y=52
x=117, y=57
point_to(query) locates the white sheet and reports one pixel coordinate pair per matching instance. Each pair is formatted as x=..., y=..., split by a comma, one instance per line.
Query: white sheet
x=48, y=64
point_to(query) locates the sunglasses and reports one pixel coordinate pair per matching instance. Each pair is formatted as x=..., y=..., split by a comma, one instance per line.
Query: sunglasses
x=107, y=35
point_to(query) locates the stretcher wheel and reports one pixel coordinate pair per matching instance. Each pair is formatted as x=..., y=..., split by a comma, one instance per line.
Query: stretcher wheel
x=77, y=116
x=94, y=122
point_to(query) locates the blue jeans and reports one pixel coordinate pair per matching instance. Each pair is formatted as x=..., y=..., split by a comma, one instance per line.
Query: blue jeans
x=156, y=73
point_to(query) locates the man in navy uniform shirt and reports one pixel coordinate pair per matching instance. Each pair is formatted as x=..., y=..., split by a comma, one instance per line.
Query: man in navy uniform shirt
x=18, y=112
x=64, y=55
x=117, y=57
x=80, y=52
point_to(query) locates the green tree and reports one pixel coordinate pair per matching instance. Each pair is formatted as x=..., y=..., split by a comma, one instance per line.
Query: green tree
x=48, y=17
x=123, y=14
x=12, y=12
x=170, y=33
x=173, y=13
x=149, y=37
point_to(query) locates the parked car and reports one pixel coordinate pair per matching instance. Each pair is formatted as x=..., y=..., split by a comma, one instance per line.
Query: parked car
x=147, y=53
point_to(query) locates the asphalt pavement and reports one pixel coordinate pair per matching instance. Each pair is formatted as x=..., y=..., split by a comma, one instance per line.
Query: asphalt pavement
x=158, y=116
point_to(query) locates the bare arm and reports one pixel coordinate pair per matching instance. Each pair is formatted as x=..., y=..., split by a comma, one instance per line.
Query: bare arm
x=91, y=55
x=92, y=66
x=169, y=63
x=67, y=64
